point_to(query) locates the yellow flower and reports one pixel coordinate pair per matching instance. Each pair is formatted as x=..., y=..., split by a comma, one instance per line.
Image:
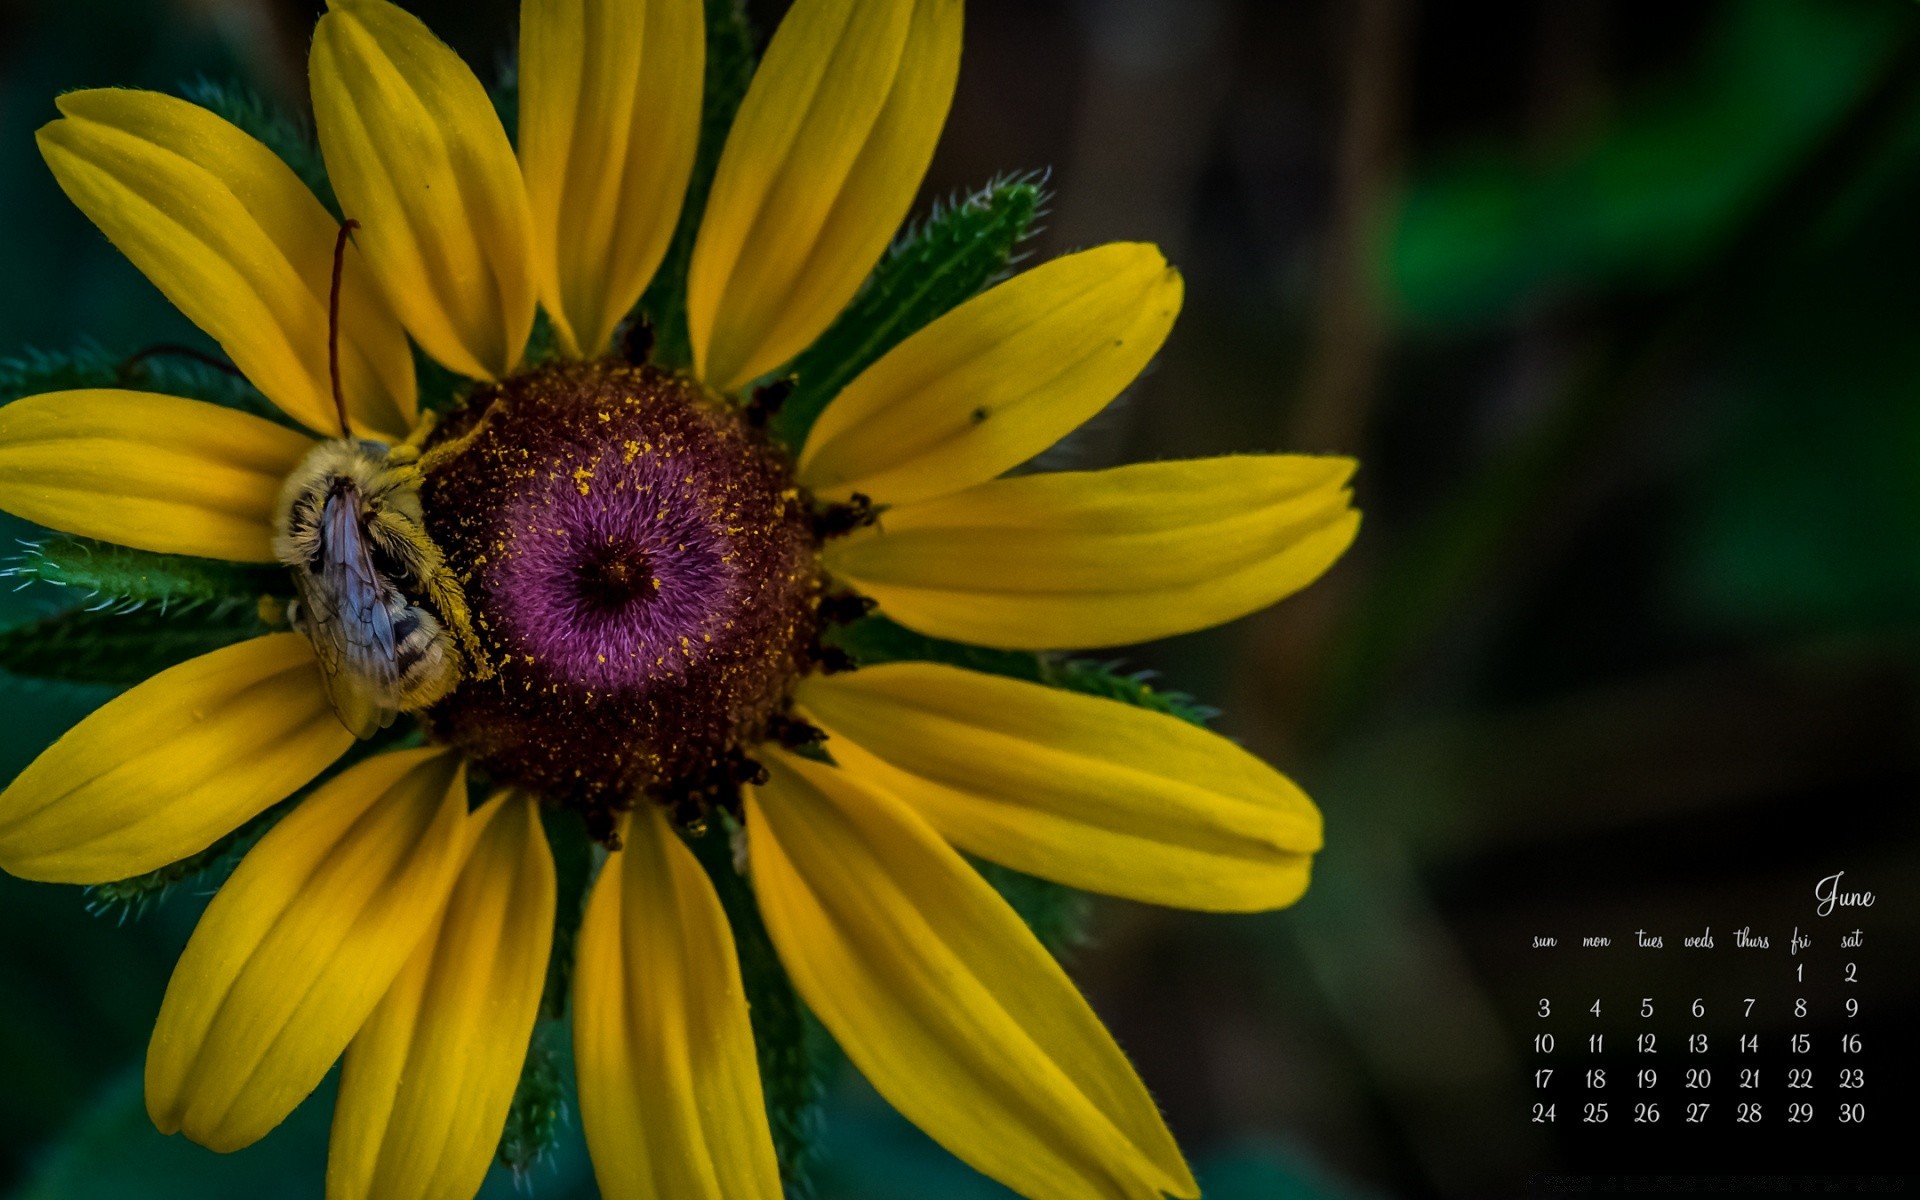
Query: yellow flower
x=382, y=918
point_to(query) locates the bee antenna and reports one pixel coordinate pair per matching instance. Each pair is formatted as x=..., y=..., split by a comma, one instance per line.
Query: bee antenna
x=333, y=323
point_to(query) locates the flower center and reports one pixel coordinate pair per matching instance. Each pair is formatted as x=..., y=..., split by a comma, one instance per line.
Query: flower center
x=616, y=578
x=642, y=576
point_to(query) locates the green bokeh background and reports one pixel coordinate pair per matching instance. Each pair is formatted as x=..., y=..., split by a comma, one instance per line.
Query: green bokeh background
x=1614, y=301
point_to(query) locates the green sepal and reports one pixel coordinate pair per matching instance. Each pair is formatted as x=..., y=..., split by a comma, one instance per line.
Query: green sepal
x=572, y=851
x=32, y=372
x=438, y=388
x=1056, y=913
x=107, y=646
x=505, y=94
x=210, y=867
x=542, y=346
x=173, y=370
x=1110, y=680
x=958, y=250
x=286, y=135
x=539, y=1100
x=874, y=639
x=539, y=1107
x=126, y=579
x=796, y=1056
x=730, y=61
x=133, y=896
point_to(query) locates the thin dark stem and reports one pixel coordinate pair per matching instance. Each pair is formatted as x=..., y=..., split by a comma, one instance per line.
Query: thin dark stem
x=333, y=322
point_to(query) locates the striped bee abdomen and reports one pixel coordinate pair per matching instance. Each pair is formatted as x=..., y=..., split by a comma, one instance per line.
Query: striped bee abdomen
x=422, y=654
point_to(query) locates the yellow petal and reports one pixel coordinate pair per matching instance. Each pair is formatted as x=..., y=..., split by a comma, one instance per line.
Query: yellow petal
x=162, y=771
x=418, y=157
x=1087, y=791
x=669, y=1087
x=943, y=997
x=997, y=380
x=819, y=169
x=149, y=471
x=1105, y=558
x=233, y=238
x=301, y=943
x=610, y=96
x=428, y=1080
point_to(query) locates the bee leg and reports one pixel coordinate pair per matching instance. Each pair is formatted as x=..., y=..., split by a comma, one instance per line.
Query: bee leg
x=276, y=613
x=427, y=575
x=444, y=593
x=409, y=451
x=404, y=544
x=429, y=459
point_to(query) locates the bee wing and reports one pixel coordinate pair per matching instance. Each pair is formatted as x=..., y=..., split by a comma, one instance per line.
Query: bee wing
x=348, y=619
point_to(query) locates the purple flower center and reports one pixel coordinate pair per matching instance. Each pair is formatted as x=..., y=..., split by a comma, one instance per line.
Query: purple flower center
x=618, y=564
x=616, y=579
x=641, y=572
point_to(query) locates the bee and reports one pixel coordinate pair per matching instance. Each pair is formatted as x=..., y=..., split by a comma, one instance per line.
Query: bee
x=372, y=590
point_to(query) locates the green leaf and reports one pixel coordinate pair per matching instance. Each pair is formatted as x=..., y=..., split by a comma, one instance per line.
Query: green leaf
x=109, y=646
x=174, y=370
x=1649, y=196
x=730, y=60
x=796, y=1057
x=1792, y=505
x=284, y=134
x=130, y=579
x=956, y=252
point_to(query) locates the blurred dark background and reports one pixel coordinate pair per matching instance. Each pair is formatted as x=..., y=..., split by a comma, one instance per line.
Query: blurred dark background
x=1614, y=301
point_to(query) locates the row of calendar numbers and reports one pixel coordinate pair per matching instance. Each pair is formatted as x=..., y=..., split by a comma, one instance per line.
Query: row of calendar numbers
x=1648, y=1043
x=1699, y=1007
x=1702, y=1077
x=1746, y=1112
